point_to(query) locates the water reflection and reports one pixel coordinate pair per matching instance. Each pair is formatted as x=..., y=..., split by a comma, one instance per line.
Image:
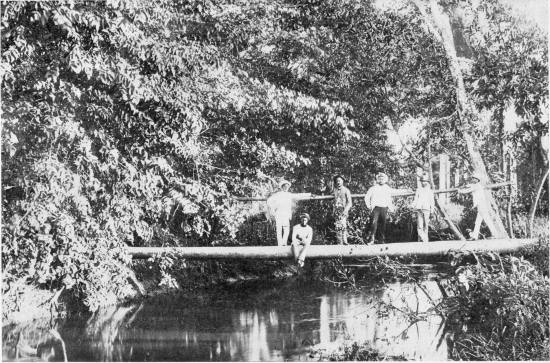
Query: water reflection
x=260, y=324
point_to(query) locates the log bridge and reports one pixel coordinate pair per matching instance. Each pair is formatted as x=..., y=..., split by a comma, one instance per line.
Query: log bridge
x=435, y=248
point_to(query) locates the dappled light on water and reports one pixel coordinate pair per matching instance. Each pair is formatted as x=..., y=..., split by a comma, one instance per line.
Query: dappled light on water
x=283, y=322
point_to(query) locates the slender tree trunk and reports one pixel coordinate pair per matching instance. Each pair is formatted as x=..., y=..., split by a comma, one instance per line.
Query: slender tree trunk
x=533, y=208
x=508, y=169
x=440, y=208
x=501, y=143
x=439, y=24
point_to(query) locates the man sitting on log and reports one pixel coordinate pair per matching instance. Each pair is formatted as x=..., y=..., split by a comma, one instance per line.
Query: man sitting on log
x=301, y=236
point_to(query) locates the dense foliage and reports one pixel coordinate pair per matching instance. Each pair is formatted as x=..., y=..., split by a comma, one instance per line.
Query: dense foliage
x=132, y=122
x=499, y=310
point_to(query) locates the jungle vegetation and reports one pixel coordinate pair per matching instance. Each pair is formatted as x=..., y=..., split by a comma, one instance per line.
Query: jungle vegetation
x=134, y=123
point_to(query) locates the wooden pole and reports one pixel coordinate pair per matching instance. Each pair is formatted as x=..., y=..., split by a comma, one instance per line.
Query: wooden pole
x=404, y=193
x=440, y=248
x=443, y=177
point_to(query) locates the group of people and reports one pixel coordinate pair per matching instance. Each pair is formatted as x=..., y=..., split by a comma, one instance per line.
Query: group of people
x=378, y=200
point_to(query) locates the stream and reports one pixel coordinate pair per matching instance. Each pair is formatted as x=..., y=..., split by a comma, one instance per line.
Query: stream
x=246, y=322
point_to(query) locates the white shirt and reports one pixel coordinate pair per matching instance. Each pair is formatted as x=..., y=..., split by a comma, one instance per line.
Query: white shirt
x=424, y=199
x=280, y=206
x=379, y=196
x=305, y=233
x=478, y=194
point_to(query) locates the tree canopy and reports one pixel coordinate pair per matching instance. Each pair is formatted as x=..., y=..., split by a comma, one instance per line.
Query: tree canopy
x=133, y=122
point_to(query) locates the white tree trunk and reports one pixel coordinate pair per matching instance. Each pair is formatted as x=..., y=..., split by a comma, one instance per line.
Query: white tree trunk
x=438, y=22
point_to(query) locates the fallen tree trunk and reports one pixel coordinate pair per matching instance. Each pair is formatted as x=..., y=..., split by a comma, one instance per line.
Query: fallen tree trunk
x=405, y=193
x=440, y=248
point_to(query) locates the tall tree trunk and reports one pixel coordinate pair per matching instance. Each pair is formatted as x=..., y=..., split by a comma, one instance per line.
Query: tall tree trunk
x=439, y=24
x=533, y=208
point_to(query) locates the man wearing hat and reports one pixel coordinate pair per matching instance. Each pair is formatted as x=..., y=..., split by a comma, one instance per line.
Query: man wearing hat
x=301, y=236
x=279, y=206
x=423, y=204
x=379, y=201
x=342, y=205
x=480, y=203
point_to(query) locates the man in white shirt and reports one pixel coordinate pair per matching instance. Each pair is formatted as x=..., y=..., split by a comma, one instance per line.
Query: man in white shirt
x=379, y=201
x=301, y=236
x=279, y=207
x=423, y=204
x=480, y=203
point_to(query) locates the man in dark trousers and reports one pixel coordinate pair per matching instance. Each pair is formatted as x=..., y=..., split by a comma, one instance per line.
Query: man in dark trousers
x=379, y=201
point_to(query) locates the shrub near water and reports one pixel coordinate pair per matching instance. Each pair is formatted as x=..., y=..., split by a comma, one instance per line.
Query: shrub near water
x=55, y=239
x=499, y=311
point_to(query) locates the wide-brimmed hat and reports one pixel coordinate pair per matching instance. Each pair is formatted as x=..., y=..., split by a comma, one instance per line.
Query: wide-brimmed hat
x=476, y=176
x=338, y=176
x=283, y=182
x=305, y=215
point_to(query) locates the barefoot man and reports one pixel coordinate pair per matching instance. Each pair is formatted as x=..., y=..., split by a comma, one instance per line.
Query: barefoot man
x=342, y=205
x=301, y=236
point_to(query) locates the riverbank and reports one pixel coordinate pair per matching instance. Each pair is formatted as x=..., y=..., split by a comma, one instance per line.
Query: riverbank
x=496, y=308
x=169, y=274
x=473, y=281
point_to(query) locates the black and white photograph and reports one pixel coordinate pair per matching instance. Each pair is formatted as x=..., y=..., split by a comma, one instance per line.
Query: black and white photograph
x=275, y=180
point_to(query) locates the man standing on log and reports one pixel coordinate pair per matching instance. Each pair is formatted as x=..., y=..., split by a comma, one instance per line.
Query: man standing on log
x=379, y=201
x=279, y=206
x=342, y=205
x=423, y=204
x=301, y=236
x=481, y=204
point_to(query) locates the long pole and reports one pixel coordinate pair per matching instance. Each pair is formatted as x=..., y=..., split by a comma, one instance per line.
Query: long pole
x=404, y=193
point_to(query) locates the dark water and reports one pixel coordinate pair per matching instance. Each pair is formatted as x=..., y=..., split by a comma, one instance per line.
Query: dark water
x=253, y=323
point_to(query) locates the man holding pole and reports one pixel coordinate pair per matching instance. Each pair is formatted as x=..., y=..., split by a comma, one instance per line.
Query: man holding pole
x=480, y=203
x=423, y=204
x=342, y=205
x=279, y=206
x=379, y=201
